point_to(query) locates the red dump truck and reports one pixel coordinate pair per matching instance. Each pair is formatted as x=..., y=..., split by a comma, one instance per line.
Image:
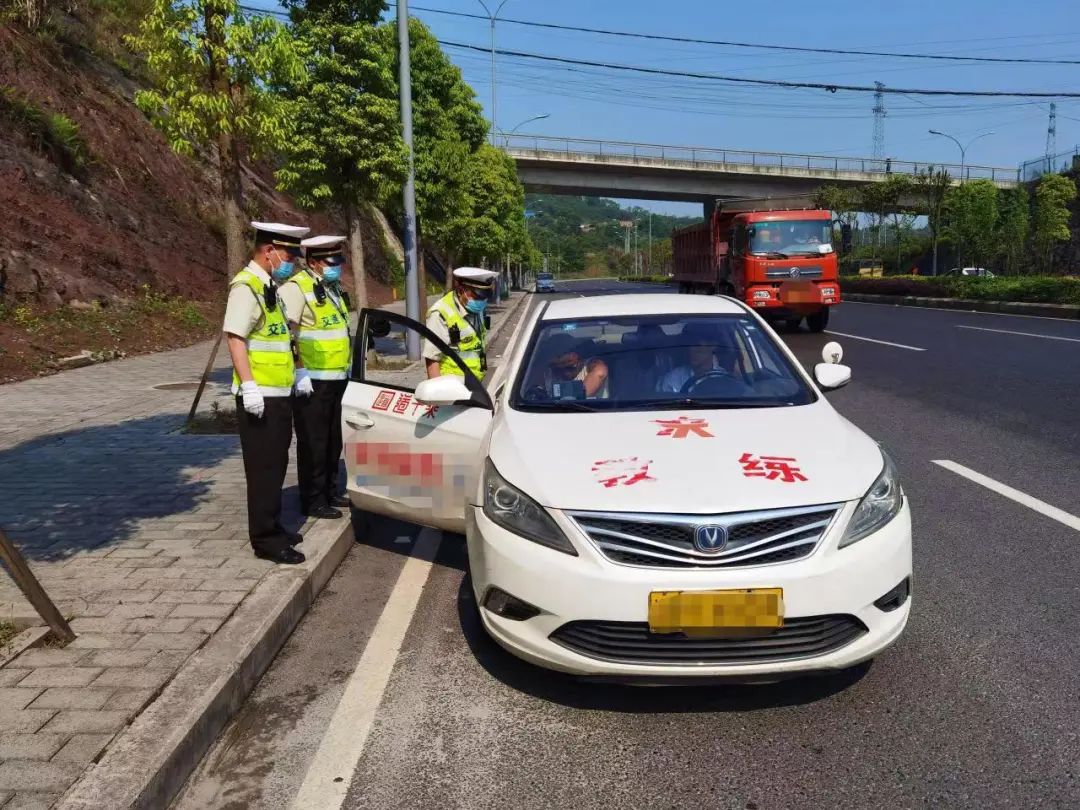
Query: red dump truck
x=781, y=263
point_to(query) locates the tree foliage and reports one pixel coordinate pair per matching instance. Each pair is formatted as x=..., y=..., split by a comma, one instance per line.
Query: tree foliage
x=973, y=215
x=1051, y=215
x=931, y=186
x=1014, y=222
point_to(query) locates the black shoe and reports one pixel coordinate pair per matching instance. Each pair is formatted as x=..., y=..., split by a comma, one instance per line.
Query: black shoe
x=295, y=538
x=323, y=512
x=341, y=501
x=282, y=556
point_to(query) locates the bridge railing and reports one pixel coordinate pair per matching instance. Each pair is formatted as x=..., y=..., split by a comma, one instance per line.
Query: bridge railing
x=705, y=157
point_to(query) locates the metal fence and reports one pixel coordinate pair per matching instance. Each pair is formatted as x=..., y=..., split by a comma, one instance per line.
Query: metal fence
x=710, y=157
x=1050, y=164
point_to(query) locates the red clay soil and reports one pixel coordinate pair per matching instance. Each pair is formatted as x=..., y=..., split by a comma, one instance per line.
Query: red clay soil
x=138, y=214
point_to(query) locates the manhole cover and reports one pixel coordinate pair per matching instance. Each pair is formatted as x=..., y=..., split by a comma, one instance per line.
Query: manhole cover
x=183, y=386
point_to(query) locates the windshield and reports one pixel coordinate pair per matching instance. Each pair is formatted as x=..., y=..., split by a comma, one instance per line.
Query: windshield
x=650, y=362
x=791, y=237
x=544, y=276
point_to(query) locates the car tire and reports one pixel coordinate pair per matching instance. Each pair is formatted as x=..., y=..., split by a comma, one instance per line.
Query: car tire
x=792, y=324
x=819, y=320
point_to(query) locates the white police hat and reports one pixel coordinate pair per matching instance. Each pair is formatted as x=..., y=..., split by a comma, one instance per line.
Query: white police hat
x=277, y=233
x=475, y=276
x=323, y=247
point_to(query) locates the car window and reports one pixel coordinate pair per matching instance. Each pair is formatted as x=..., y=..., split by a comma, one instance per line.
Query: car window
x=654, y=362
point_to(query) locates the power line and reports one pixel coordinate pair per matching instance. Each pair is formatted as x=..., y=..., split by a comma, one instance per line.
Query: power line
x=832, y=88
x=753, y=45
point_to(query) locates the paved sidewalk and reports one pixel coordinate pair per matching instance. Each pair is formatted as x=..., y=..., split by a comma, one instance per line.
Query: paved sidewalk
x=136, y=530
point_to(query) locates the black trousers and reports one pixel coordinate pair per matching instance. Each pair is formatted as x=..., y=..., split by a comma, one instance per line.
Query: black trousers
x=318, y=442
x=265, y=443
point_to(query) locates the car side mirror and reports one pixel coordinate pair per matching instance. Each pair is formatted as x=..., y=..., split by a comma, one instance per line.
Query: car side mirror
x=832, y=352
x=831, y=375
x=443, y=390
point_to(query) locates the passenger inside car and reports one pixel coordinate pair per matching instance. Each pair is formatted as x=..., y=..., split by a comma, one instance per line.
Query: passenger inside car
x=571, y=360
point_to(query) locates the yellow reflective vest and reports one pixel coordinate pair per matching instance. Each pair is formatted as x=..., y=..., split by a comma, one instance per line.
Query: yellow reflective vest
x=470, y=345
x=325, y=347
x=269, y=347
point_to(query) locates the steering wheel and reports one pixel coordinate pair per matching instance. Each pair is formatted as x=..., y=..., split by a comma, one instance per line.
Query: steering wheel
x=717, y=383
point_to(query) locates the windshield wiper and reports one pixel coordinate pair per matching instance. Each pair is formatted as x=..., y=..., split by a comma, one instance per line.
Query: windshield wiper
x=773, y=254
x=561, y=405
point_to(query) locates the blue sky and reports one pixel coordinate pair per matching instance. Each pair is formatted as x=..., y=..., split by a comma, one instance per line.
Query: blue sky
x=619, y=106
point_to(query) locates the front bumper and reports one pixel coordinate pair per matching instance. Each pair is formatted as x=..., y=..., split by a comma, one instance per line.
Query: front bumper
x=589, y=587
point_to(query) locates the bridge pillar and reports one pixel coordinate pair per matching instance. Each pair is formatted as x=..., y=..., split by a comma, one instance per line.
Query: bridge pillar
x=709, y=207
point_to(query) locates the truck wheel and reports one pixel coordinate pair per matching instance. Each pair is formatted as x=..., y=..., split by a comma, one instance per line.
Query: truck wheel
x=819, y=320
x=792, y=324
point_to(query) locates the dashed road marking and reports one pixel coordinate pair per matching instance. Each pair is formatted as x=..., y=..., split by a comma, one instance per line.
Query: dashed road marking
x=964, y=311
x=1022, y=498
x=1021, y=334
x=875, y=340
x=330, y=773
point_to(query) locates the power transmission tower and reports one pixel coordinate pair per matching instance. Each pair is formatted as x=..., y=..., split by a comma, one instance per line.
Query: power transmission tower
x=1051, y=137
x=879, y=121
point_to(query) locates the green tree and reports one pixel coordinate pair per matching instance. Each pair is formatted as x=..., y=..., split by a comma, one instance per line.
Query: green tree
x=495, y=205
x=1014, y=224
x=213, y=71
x=448, y=127
x=931, y=187
x=1051, y=216
x=972, y=211
x=879, y=199
x=346, y=151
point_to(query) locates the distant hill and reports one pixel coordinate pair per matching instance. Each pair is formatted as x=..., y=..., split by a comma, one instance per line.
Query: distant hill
x=586, y=235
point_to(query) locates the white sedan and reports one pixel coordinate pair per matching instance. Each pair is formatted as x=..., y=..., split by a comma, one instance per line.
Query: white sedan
x=651, y=487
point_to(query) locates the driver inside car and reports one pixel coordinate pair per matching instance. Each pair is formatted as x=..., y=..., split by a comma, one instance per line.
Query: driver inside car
x=706, y=357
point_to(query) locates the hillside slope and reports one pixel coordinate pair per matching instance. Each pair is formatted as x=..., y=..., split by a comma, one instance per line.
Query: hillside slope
x=135, y=215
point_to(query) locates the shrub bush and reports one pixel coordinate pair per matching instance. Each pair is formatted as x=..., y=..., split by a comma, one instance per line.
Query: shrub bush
x=53, y=134
x=1024, y=289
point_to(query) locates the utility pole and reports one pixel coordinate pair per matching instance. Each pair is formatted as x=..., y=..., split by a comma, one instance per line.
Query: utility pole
x=637, y=255
x=650, y=243
x=1051, y=137
x=879, y=121
x=414, y=296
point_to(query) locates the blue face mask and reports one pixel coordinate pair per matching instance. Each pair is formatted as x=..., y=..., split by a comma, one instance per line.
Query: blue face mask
x=476, y=306
x=332, y=274
x=283, y=271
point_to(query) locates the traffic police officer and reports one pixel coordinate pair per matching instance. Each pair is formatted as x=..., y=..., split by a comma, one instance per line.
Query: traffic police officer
x=458, y=319
x=265, y=371
x=317, y=308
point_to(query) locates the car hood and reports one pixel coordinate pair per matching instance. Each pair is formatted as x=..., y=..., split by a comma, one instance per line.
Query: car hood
x=666, y=461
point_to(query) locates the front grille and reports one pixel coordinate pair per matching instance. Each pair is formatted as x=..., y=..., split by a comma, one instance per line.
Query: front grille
x=667, y=541
x=632, y=643
x=785, y=272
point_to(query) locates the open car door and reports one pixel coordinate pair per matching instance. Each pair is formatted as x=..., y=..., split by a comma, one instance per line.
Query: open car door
x=414, y=460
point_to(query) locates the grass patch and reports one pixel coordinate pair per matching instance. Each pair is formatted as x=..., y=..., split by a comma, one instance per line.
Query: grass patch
x=386, y=364
x=53, y=134
x=217, y=422
x=1022, y=289
x=8, y=631
x=654, y=279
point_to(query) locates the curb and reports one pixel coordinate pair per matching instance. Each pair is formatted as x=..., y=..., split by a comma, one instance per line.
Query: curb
x=1066, y=311
x=150, y=760
x=510, y=313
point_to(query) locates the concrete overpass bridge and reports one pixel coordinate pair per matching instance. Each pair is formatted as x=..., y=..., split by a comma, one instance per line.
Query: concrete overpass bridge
x=703, y=174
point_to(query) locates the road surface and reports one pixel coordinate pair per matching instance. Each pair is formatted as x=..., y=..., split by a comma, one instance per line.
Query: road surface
x=978, y=705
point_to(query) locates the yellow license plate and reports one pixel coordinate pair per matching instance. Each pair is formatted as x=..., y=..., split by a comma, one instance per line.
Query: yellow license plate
x=704, y=611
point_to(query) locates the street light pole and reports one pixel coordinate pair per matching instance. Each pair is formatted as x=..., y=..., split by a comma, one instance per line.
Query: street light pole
x=963, y=149
x=491, y=21
x=414, y=296
x=507, y=135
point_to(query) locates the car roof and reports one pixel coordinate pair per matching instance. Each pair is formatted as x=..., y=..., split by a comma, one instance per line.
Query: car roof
x=641, y=304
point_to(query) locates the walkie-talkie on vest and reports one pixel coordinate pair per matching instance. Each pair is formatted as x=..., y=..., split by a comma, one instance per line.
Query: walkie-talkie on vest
x=455, y=335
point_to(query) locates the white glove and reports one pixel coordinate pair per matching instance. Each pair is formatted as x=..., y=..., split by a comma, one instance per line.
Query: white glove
x=303, y=386
x=253, y=399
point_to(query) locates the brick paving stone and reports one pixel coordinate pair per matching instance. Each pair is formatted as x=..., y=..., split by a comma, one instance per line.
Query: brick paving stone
x=105, y=641
x=127, y=596
x=215, y=611
x=26, y=721
x=63, y=697
x=61, y=676
x=77, y=721
x=9, y=675
x=185, y=597
x=198, y=527
x=235, y=584
x=31, y=775
x=132, y=553
x=14, y=698
x=230, y=597
x=30, y=746
x=38, y=657
x=129, y=700
x=98, y=625
x=32, y=801
x=147, y=610
x=159, y=625
x=121, y=658
x=208, y=626
x=171, y=641
x=82, y=748
x=144, y=678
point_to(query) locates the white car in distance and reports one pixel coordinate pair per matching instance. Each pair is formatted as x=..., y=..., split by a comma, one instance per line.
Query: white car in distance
x=651, y=487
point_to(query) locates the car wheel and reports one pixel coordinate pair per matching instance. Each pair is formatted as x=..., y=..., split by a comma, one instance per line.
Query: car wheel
x=819, y=320
x=792, y=324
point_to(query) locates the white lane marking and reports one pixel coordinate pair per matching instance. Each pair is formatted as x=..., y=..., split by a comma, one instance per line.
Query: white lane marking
x=1022, y=498
x=965, y=311
x=1022, y=334
x=875, y=340
x=345, y=737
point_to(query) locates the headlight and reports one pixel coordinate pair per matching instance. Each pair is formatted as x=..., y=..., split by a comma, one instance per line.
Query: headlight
x=516, y=512
x=761, y=293
x=877, y=507
x=828, y=291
